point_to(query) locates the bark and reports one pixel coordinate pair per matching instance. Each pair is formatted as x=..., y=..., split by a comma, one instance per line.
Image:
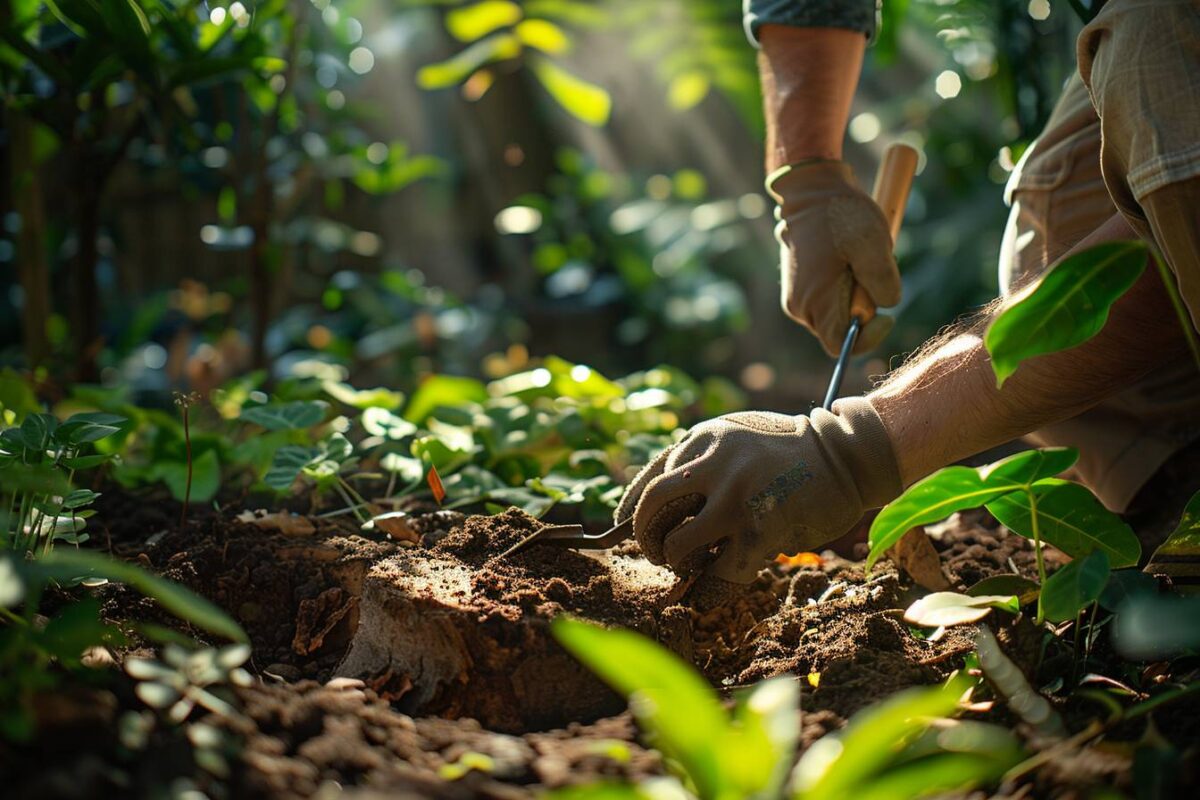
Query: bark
x=33, y=269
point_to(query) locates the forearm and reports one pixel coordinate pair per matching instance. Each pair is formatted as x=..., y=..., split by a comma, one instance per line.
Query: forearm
x=808, y=79
x=945, y=406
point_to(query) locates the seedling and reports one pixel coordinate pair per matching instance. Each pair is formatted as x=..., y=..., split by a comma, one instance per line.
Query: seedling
x=1021, y=491
x=185, y=402
x=38, y=459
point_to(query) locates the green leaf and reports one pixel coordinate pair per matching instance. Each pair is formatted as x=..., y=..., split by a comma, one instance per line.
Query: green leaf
x=34, y=479
x=86, y=462
x=66, y=565
x=472, y=22
x=443, y=390
x=297, y=415
x=408, y=470
x=544, y=36
x=957, y=488
x=1070, y=518
x=1184, y=541
x=77, y=628
x=1074, y=587
x=585, y=101
x=285, y=467
x=206, y=476
x=381, y=422
x=951, y=608
x=667, y=696
x=841, y=765
x=1068, y=306
x=79, y=498
x=453, y=71
x=1024, y=589
x=687, y=90
x=37, y=431
x=363, y=399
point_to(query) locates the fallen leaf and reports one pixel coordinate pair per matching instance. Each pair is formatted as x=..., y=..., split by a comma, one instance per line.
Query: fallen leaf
x=915, y=554
x=435, y=484
x=952, y=608
x=396, y=524
x=814, y=679
x=295, y=525
x=800, y=560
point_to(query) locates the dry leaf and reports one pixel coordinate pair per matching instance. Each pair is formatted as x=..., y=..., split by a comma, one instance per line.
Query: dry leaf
x=801, y=560
x=295, y=525
x=914, y=554
x=396, y=524
x=435, y=484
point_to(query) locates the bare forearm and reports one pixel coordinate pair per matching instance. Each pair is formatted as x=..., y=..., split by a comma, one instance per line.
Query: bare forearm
x=808, y=80
x=946, y=406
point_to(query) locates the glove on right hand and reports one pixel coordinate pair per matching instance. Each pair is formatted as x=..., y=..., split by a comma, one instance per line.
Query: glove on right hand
x=765, y=484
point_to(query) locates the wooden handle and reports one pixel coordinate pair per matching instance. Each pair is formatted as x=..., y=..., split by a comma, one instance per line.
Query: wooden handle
x=892, y=183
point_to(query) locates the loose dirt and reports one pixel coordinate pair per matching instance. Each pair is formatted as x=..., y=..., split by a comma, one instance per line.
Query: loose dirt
x=429, y=670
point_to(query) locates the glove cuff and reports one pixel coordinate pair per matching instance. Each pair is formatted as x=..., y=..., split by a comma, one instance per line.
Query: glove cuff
x=816, y=174
x=854, y=435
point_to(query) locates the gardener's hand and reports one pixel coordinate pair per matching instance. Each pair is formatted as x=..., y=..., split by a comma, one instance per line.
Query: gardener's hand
x=762, y=484
x=832, y=237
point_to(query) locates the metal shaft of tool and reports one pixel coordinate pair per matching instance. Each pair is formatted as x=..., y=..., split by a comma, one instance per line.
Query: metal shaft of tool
x=839, y=369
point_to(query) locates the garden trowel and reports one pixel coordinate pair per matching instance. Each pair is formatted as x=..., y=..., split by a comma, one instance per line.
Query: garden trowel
x=892, y=184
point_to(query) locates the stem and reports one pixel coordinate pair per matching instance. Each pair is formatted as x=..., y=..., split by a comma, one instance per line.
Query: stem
x=1185, y=320
x=187, y=493
x=1037, y=548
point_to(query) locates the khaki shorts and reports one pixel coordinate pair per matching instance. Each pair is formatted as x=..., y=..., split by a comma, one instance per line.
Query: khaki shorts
x=1124, y=136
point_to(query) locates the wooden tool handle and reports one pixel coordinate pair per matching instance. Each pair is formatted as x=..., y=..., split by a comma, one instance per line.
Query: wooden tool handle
x=892, y=184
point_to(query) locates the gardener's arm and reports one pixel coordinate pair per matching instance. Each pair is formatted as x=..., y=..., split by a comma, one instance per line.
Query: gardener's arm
x=769, y=483
x=832, y=235
x=945, y=406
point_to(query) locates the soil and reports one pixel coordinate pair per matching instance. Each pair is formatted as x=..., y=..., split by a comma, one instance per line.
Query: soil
x=397, y=667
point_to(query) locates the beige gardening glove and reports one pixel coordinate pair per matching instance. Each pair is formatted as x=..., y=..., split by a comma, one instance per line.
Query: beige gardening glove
x=760, y=484
x=832, y=236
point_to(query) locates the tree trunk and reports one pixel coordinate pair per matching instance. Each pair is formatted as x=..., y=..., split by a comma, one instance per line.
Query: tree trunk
x=33, y=270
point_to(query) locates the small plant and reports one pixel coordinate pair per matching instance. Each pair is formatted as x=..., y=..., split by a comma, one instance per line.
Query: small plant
x=185, y=402
x=907, y=746
x=38, y=460
x=1023, y=494
x=36, y=654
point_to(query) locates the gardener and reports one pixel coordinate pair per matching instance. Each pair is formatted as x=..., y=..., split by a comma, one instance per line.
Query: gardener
x=1119, y=159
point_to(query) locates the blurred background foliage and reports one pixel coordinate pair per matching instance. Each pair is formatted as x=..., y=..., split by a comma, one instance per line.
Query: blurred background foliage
x=193, y=190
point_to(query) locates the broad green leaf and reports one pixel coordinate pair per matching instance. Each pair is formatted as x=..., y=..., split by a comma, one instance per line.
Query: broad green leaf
x=544, y=36
x=86, y=462
x=1070, y=518
x=364, y=399
x=1074, y=587
x=79, y=498
x=206, y=476
x=1184, y=541
x=951, y=608
x=584, y=101
x=1024, y=589
x=957, y=488
x=471, y=22
x=296, y=415
x=666, y=695
x=408, y=470
x=841, y=764
x=1126, y=584
x=457, y=69
x=687, y=89
x=758, y=752
x=947, y=773
x=37, y=431
x=285, y=467
x=1068, y=306
x=443, y=390
x=381, y=422
x=88, y=427
x=40, y=479
x=66, y=565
